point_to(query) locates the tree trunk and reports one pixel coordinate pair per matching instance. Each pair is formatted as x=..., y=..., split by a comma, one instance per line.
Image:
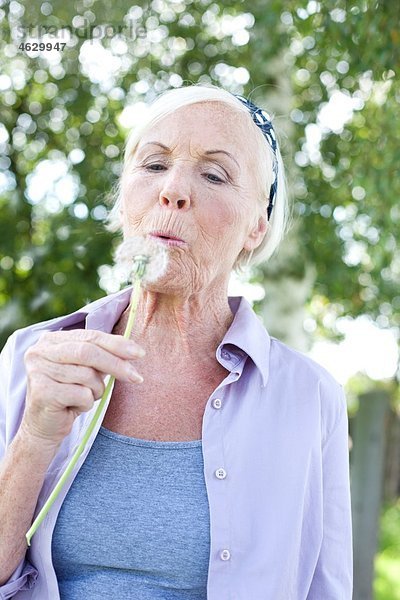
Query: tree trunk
x=392, y=461
x=288, y=277
x=367, y=469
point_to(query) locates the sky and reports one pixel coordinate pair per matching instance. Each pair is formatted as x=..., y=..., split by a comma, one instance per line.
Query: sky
x=366, y=348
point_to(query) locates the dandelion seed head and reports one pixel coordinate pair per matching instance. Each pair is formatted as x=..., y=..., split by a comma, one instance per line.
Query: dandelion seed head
x=137, y=254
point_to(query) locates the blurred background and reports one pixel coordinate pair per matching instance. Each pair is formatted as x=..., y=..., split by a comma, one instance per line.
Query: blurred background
x=329, y=73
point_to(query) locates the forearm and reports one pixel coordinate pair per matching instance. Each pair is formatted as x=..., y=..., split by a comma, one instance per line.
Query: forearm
x=22, y=473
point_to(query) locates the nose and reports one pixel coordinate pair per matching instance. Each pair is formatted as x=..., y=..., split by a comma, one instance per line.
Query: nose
x=175, y=191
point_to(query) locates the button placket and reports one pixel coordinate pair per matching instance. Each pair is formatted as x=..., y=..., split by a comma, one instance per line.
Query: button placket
x=220, y=473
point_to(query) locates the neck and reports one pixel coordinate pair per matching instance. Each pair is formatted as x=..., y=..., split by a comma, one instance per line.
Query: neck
x=179, y=328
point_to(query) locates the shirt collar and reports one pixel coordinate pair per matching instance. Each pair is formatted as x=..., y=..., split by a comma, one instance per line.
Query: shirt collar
x=249, y=335
x=104, y=313
x=100, y=314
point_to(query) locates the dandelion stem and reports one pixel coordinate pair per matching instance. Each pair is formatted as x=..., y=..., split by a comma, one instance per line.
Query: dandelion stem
x=104, y=399
x=132, y=311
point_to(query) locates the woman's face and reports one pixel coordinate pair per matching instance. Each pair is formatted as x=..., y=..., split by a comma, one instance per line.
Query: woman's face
x=193, y=174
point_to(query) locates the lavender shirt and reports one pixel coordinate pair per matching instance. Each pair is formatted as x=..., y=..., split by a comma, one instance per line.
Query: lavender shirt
x=276, y=465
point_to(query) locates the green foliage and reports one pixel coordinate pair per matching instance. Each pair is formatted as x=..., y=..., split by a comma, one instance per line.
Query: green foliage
x=297, y=55
x=387, y=561
x=346, y=187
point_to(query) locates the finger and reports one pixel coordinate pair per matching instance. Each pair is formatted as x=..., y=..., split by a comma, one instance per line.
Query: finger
x=63, y=395
x=116, y=344
x=74, y=396
x=75, y=374
x=90, y=355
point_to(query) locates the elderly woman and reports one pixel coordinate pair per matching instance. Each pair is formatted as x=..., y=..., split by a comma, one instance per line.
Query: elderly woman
x=221, y=471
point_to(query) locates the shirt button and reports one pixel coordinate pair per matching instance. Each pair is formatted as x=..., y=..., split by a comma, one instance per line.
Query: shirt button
x=225, y=555
x=217, y=403
x=226, y=354
x=220, y=473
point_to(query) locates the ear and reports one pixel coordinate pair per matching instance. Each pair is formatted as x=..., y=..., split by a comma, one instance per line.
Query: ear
x=256, y=234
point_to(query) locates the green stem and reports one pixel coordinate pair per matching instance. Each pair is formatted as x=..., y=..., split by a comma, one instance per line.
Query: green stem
x=81, y=447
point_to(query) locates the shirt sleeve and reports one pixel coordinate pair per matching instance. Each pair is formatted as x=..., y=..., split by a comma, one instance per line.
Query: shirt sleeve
x=5, y=369
x=25, y=575
x=333, y=576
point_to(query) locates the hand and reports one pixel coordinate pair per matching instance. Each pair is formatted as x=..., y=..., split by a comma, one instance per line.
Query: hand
x=65, y=371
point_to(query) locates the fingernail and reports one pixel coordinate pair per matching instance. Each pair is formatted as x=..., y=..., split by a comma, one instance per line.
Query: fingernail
x=133, y=375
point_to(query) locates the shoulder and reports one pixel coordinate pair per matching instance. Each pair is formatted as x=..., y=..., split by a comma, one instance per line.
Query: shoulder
x=308, y=382
x=12, y=365
x=25, y=336
x=286, y=360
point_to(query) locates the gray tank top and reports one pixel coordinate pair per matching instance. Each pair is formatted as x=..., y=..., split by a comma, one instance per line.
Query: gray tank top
x=135, y=523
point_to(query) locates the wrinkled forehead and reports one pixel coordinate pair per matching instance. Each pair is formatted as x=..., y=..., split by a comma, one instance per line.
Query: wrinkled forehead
x=203, y=125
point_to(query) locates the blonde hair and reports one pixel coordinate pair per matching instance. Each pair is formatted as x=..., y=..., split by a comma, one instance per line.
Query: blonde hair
x=279, y=223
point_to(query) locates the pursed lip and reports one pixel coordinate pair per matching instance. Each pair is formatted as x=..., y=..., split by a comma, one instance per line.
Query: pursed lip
x=166, y=234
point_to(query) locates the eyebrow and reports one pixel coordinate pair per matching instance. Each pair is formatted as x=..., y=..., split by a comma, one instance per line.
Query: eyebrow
x=208, y=152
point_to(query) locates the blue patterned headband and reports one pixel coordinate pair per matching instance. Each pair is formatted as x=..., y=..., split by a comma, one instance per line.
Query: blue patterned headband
x=262, y=119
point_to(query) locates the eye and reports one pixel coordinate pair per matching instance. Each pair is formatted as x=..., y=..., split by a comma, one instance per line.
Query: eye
x=150, y=167
x=216, y=180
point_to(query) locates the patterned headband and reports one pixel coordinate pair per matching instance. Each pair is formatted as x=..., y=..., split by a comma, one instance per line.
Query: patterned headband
x=262, y=119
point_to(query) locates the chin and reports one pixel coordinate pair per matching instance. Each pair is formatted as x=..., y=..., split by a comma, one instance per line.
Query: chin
x=166, y=284
x=178, y=282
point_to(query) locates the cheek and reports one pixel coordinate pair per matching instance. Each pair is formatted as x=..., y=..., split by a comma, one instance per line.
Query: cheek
x=130, y=183
x=213, y=217
x=134, y=194
x=224, y=218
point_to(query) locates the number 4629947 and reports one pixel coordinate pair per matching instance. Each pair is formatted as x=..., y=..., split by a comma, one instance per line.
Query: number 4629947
x=33, y=46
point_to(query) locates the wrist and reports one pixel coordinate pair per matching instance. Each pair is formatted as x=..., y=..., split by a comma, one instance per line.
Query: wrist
x=38, y=446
